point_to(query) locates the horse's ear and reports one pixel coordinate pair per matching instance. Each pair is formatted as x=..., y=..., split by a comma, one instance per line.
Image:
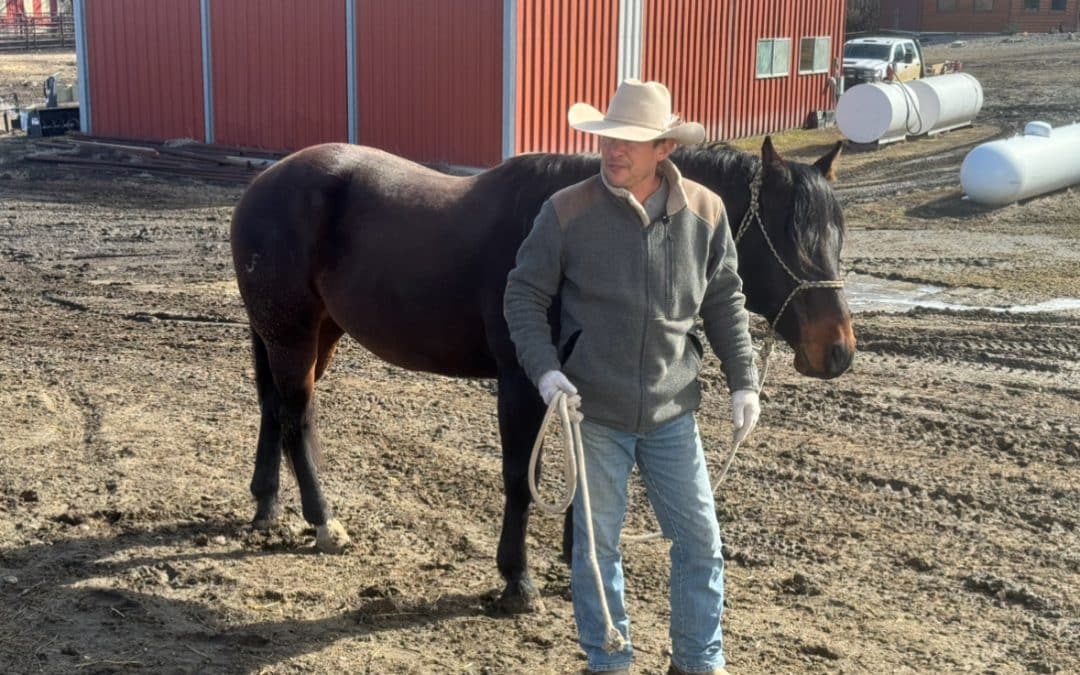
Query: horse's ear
x=769, y=155
x=827, y=164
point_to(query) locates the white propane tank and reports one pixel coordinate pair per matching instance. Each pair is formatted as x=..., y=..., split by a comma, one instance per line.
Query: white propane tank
x=1041, y=160
x=876, y=111
x=947, y=101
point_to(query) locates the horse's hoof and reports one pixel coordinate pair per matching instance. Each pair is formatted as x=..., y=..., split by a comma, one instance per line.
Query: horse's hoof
x=266, y=515
x=520, y=597
x=331, y=537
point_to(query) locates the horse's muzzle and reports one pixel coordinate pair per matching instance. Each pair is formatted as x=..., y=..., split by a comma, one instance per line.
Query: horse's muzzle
x=826, y=349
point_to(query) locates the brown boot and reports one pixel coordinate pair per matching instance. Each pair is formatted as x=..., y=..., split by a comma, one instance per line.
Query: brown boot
x=675, y=670
x=620, y=671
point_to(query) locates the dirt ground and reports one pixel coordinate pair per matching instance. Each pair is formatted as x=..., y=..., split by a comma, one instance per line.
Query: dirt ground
x=918, y=514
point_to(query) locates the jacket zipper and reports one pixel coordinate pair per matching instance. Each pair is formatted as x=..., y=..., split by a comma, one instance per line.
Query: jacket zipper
x=669, y=282
x=644, y=327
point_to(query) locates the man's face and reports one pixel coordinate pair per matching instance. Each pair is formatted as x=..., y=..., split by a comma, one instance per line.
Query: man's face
x=632, y=164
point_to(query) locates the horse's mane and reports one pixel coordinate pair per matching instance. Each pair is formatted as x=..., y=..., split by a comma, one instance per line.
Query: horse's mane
x=814, y=204
x=535, y=177
x=717, y=154
x=814, y=214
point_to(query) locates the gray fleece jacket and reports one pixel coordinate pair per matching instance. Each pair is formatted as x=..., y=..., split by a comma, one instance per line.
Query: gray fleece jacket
x=630, y=290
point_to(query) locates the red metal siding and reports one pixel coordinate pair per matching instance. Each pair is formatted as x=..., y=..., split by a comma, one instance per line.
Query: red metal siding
x=771, y=104
x=705, y=51
x=279, y=72
x=686, y=47
x=1006, y=14
x=566, y=52
x=144, y=68
x=430, y=78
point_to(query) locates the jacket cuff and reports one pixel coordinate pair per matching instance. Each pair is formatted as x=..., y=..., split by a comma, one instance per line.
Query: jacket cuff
x=542, y=365
x=743, y=377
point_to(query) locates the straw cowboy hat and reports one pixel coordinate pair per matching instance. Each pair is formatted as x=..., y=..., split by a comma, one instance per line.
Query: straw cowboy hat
x=639, y=111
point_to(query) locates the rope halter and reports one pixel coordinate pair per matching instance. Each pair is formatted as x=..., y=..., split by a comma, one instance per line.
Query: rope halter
x=753, y=213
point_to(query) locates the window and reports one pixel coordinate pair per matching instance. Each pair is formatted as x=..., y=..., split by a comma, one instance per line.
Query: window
x=1031, y=5
x=867, y=50
x=814, y=54
x=946, y=5
x=773, y=57
x=1057, y=5
x=984, y=5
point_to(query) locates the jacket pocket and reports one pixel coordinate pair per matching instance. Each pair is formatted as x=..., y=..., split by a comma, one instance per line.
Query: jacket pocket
x=696, y=347
x=568, y=347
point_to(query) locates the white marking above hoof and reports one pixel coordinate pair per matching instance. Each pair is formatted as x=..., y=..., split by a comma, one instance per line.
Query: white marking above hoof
x=331, y=537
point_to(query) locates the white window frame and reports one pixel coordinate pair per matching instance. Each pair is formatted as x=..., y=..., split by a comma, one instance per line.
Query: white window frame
x=772, y=60
x=814, y=56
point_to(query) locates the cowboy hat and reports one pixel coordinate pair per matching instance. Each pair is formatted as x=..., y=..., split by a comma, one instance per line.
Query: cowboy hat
x=639, y=111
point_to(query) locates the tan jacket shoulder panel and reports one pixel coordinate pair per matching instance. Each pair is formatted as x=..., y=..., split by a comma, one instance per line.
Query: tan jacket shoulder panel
x=570, y=202
x=703, y=202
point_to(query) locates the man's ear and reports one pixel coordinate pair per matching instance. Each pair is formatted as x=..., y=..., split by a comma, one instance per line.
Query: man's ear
x=664, y=148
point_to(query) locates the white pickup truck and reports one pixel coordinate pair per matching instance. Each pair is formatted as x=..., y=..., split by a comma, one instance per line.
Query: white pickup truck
x=871, y=59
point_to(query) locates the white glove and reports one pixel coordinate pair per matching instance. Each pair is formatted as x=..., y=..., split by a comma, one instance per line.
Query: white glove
x=745, y=411
x=552, y=382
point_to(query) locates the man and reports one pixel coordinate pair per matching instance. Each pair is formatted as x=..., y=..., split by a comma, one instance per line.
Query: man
x=635, y=254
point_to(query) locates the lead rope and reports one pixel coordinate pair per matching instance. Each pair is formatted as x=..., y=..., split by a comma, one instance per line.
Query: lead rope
x=574, y=451
x=576, y=478
x=573, y=467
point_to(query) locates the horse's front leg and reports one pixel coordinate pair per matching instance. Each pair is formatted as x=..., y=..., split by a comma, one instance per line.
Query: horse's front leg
x=520, y=414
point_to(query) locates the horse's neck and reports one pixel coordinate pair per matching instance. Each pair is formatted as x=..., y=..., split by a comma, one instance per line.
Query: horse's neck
x=732, y=182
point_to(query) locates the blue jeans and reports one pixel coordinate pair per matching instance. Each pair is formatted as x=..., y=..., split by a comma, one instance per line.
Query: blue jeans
x=672, y=464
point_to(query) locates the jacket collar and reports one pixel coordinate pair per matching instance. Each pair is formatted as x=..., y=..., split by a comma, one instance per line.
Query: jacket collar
x=676, y=200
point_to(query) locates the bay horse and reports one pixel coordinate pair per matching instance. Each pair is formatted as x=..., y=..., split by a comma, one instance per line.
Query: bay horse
x=412, y=263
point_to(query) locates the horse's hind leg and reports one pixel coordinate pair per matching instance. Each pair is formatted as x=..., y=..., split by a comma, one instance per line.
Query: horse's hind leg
x=294, y=368
x=329, y=334
x=265, y=481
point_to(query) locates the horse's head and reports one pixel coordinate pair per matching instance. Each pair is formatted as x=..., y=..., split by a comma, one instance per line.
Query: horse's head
x=785, y=258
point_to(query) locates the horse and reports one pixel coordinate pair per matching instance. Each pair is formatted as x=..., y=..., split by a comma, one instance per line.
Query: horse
x=412, y=263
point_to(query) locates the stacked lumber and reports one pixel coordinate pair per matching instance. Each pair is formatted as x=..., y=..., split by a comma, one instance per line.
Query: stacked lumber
x=231, y=164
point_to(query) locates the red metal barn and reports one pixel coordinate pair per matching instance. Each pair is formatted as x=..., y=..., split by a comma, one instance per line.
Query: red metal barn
x=981, y=16
x=462, y=81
